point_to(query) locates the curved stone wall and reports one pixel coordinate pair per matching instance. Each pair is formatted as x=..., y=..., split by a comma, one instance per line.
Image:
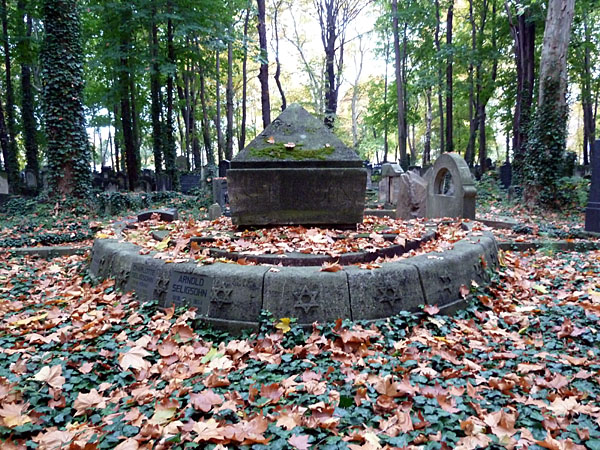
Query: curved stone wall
x=231, y=296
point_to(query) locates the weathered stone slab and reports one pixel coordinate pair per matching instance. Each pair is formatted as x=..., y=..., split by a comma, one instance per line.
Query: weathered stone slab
x=166, y=215
x=442, y=274
x=188, y=287
x=214, y=211
x=280, y=196
x=451, y=189
x=411, y=196
x=592, y=212
x=189, y=182
x=296, y=172
x=3, y=183
x=143, y=277
x=220, y=191
x=384, y=292
x=235, y=292
x=307, y=293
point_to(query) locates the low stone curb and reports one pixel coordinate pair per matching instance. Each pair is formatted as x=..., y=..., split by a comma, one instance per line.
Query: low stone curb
x=48, y=252
x=231, y=296
x=558, y=246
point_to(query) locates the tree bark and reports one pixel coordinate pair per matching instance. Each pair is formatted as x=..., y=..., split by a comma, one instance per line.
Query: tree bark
x=263, y=75
x=210, y=157
x=229, y=100
x=277, y=76
x=27, y=97
x=218, y=112
x=242, y=141
x=428, y=127
x=126, y=118
x=170, y=148
x=401, y=123
x=449, y=80
x=523, y=32
x=155, y=107
x=11, y=159
x=438, y=48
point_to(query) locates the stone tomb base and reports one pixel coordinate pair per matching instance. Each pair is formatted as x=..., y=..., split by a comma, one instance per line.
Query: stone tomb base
x=231, y=296
x=288, y=196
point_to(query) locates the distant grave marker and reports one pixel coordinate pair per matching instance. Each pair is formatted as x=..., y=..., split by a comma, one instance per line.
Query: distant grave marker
x=592, y=213
x=451, y=190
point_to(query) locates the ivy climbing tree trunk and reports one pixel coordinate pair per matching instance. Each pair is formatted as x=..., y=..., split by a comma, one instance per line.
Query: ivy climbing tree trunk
x=62, y=72
x=11, y=161
x=229, y=104
x=242, y=140
x=547, y=136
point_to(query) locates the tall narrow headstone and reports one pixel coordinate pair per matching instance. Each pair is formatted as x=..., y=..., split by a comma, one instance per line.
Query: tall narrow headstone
x=297, y=172
x=592, y=213
x=3, y=183
x=224, y=166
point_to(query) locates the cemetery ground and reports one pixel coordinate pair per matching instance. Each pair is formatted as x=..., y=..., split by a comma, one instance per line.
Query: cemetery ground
x=84, y=366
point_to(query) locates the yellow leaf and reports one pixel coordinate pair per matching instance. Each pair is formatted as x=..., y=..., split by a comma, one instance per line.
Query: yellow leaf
x=162, y=416
x=541, y=289
x=20, y=323
x=212, y=354
x=162, y=245
x=101, y=236
x=283, y=325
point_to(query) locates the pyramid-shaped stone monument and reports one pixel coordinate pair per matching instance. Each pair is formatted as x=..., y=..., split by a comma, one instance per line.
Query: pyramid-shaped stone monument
x=296, y=172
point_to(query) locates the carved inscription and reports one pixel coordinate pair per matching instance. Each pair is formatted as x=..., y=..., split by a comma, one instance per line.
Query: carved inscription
x=142, y=279
x=189, y=289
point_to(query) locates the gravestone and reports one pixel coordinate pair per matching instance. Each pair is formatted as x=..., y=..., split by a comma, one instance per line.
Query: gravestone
x=592, y=212
x=297, y=172
x=451, y=190
x=163, y=182
x=181, y=163
x=220, y=194
x=224, y=166
x=214, y=211
x=411, y=195
x=189, y=288
x=189, y=182
x=506, y=175
x=390, y=183
x=3, y=183
x=369, y=168
x=30, y=180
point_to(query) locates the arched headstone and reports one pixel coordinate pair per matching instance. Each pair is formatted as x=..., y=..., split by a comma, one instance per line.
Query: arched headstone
x=451, y=190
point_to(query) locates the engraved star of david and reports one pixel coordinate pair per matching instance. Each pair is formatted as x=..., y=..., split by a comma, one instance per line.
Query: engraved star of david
x=388, y=295
x=306, y=299
x=221, y=295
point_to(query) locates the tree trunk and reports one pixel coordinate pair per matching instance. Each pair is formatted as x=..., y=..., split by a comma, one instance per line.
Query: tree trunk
x=170, y=149
x=470, y=151
x=218, y=112
x=229, y=99
x=67, y=147
x=11, y=160
x=210, y=157
x=401, y=125
x=553, y=65
x=263, y=75
x=438, y=48
x=277, y=62
x=126, y=119
x=155, y=107
x=27, y=98
x=385, y=100
x=355, y=92
x=449, y=65
x=428, y=126
x=242, y=141
x=523, y=32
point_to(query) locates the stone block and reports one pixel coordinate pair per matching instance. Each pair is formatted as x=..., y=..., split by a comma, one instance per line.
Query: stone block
x=4, y=183
x=236, y=291
x=307, y=293
x=451, y=190
x=144, y=277
x=442, y=274
x=592, y=212
x=214, y=211
x=384, y=292
x=166, y=215
x=103, y=253
x=288, y=196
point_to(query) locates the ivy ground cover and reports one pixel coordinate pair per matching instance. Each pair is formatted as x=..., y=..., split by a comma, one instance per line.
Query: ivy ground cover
x=84, y=367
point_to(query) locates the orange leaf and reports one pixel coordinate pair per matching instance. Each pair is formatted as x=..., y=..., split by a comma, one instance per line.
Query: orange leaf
x=134, y=358
x=331, y=267
x=91, y=400
x=51, y=375
x=205, y=400
x=13, y=415
x=432, y=310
